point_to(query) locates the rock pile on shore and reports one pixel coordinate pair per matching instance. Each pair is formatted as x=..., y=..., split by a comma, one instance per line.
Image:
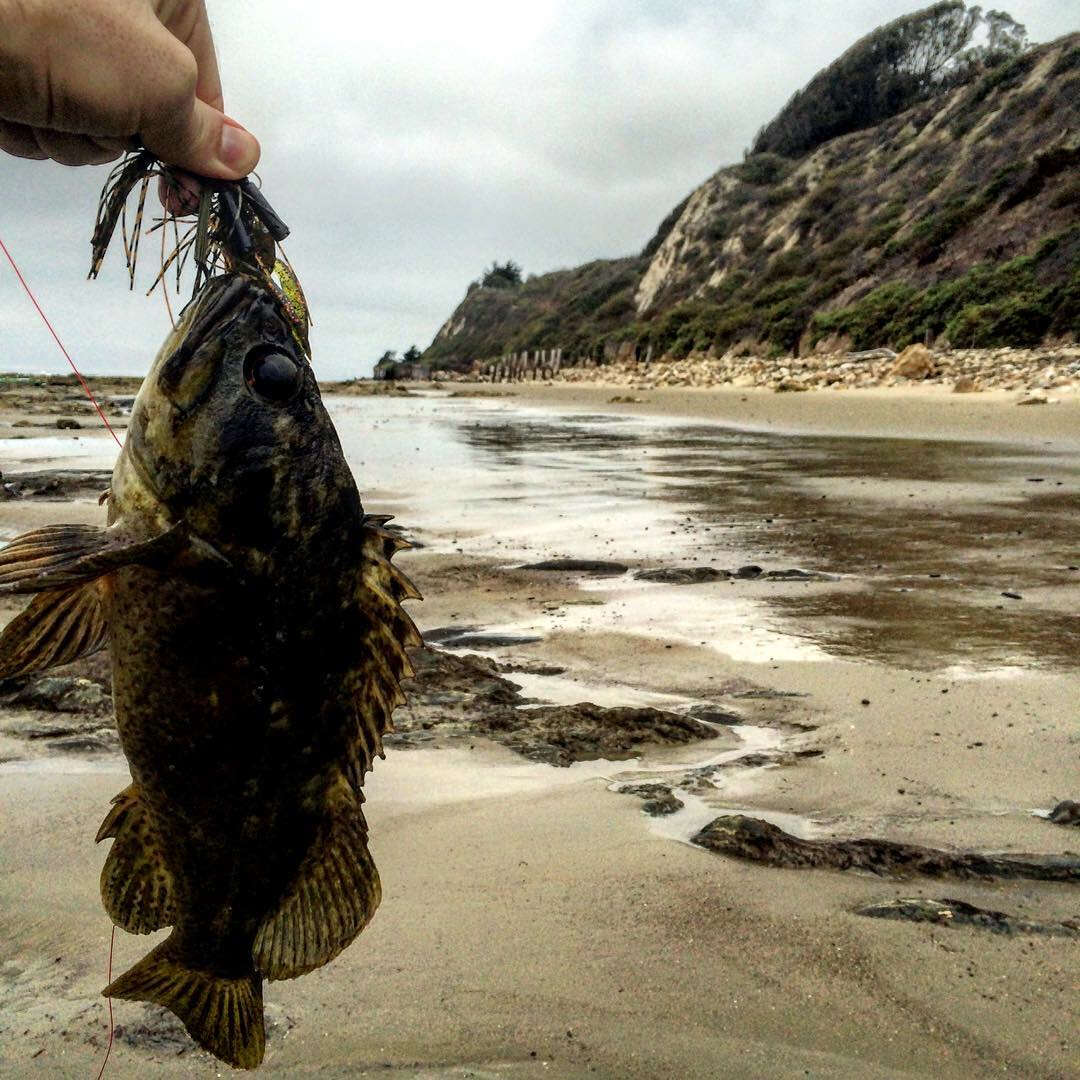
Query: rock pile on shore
x=1041, y=369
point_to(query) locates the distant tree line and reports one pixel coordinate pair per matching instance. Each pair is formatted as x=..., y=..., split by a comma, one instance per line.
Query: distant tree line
x=891, y=69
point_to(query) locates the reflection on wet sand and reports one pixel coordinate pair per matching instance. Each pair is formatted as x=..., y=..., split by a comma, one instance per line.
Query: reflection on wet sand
x=926, y=535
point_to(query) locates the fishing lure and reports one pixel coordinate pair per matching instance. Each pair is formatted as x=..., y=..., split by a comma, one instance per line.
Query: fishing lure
x=234, y=230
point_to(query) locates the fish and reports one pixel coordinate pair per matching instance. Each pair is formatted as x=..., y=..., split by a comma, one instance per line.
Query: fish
x=258, y=640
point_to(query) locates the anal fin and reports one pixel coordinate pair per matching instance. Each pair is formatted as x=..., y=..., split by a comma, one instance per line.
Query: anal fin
x=222, y=1014
x=57, y=627
x=136, y=885
x=332, y=898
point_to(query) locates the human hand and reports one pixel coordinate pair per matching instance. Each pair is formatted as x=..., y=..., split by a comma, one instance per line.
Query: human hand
x=80, y=79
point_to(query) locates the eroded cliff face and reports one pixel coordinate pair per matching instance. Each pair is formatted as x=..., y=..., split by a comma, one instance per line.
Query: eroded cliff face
x=901, y=232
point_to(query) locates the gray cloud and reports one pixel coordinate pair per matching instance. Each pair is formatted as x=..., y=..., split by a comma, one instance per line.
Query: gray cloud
x=409, y=146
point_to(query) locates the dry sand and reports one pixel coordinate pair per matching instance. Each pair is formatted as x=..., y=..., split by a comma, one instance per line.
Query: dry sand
x=536, y=924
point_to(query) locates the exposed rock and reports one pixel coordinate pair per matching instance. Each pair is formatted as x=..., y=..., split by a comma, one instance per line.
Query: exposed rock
x=948, y=912
x=57, y=483
x=965, y=384
x=562, y=734
x=659, y=799
x=596, y=567
x=915, y=362
x=527, y=668
x=713, y=714
x=1066, y=812
x=761, y=841
x=67, y=423
x=1036, y=397
x=683, y=575
x=796, y=574
x=488, y=641
x=459, y=696
x=624, y=399
x=60, y=693
x=748, y=572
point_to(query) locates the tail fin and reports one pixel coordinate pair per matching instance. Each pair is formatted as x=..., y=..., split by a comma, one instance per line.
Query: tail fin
x=224, y=1016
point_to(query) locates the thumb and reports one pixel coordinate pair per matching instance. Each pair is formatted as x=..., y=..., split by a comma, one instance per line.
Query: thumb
x=206, y=142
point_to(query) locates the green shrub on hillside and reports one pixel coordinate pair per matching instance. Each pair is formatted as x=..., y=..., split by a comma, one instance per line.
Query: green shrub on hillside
x=763, y=168
x=992, y=304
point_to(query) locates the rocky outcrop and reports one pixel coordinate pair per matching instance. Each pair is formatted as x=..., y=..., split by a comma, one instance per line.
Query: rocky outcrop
x=948, y=912
x=761, y=841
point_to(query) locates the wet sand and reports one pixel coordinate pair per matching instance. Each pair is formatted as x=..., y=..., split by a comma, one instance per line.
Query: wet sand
x=536, y=922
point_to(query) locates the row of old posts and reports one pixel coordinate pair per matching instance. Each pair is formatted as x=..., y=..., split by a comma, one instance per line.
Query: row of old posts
x=521, y=366
x=538, y=364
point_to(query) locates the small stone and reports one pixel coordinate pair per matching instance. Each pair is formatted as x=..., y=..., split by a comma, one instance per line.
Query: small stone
x=749, y=572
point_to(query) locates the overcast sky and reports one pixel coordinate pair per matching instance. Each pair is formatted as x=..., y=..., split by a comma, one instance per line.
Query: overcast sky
x=409, y=145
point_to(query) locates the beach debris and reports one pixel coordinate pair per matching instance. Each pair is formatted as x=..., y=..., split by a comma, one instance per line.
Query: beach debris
x=949, y=912
x=761, y=841
x=1067, y=812
x=258, y=640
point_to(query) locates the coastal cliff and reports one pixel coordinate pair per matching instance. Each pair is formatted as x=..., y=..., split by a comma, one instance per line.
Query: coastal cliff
x=953, y=222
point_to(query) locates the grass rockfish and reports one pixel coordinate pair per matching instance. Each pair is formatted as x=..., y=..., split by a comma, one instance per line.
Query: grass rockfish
x=257, y=641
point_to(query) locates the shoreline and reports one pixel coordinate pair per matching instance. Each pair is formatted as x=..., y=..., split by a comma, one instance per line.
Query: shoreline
x=912, y=412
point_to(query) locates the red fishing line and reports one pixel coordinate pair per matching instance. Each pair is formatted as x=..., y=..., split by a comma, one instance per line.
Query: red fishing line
x=78, y=375
x=104, y=420
x=108, y=1049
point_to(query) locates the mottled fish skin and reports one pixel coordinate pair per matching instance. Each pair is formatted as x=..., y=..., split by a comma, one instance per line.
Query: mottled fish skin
x=256, y=660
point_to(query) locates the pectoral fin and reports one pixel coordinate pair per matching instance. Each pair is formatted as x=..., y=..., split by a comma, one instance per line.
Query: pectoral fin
x=59, y=626
x=332, y=899
x=136, y=885
x=64, y=556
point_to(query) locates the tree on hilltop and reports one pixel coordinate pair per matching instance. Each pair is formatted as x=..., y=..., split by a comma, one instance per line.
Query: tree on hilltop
x=502, y=276
x=894, y=67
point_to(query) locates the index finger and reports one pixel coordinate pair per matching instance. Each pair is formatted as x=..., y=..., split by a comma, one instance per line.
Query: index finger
x=189, y=24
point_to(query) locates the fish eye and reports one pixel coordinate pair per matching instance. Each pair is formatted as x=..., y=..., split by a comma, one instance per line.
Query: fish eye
x=271, y=373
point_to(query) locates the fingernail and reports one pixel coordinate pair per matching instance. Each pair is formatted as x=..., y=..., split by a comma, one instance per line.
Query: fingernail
x=239, y=149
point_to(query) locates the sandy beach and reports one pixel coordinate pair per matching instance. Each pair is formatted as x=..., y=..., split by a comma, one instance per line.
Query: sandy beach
x=536, y=920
